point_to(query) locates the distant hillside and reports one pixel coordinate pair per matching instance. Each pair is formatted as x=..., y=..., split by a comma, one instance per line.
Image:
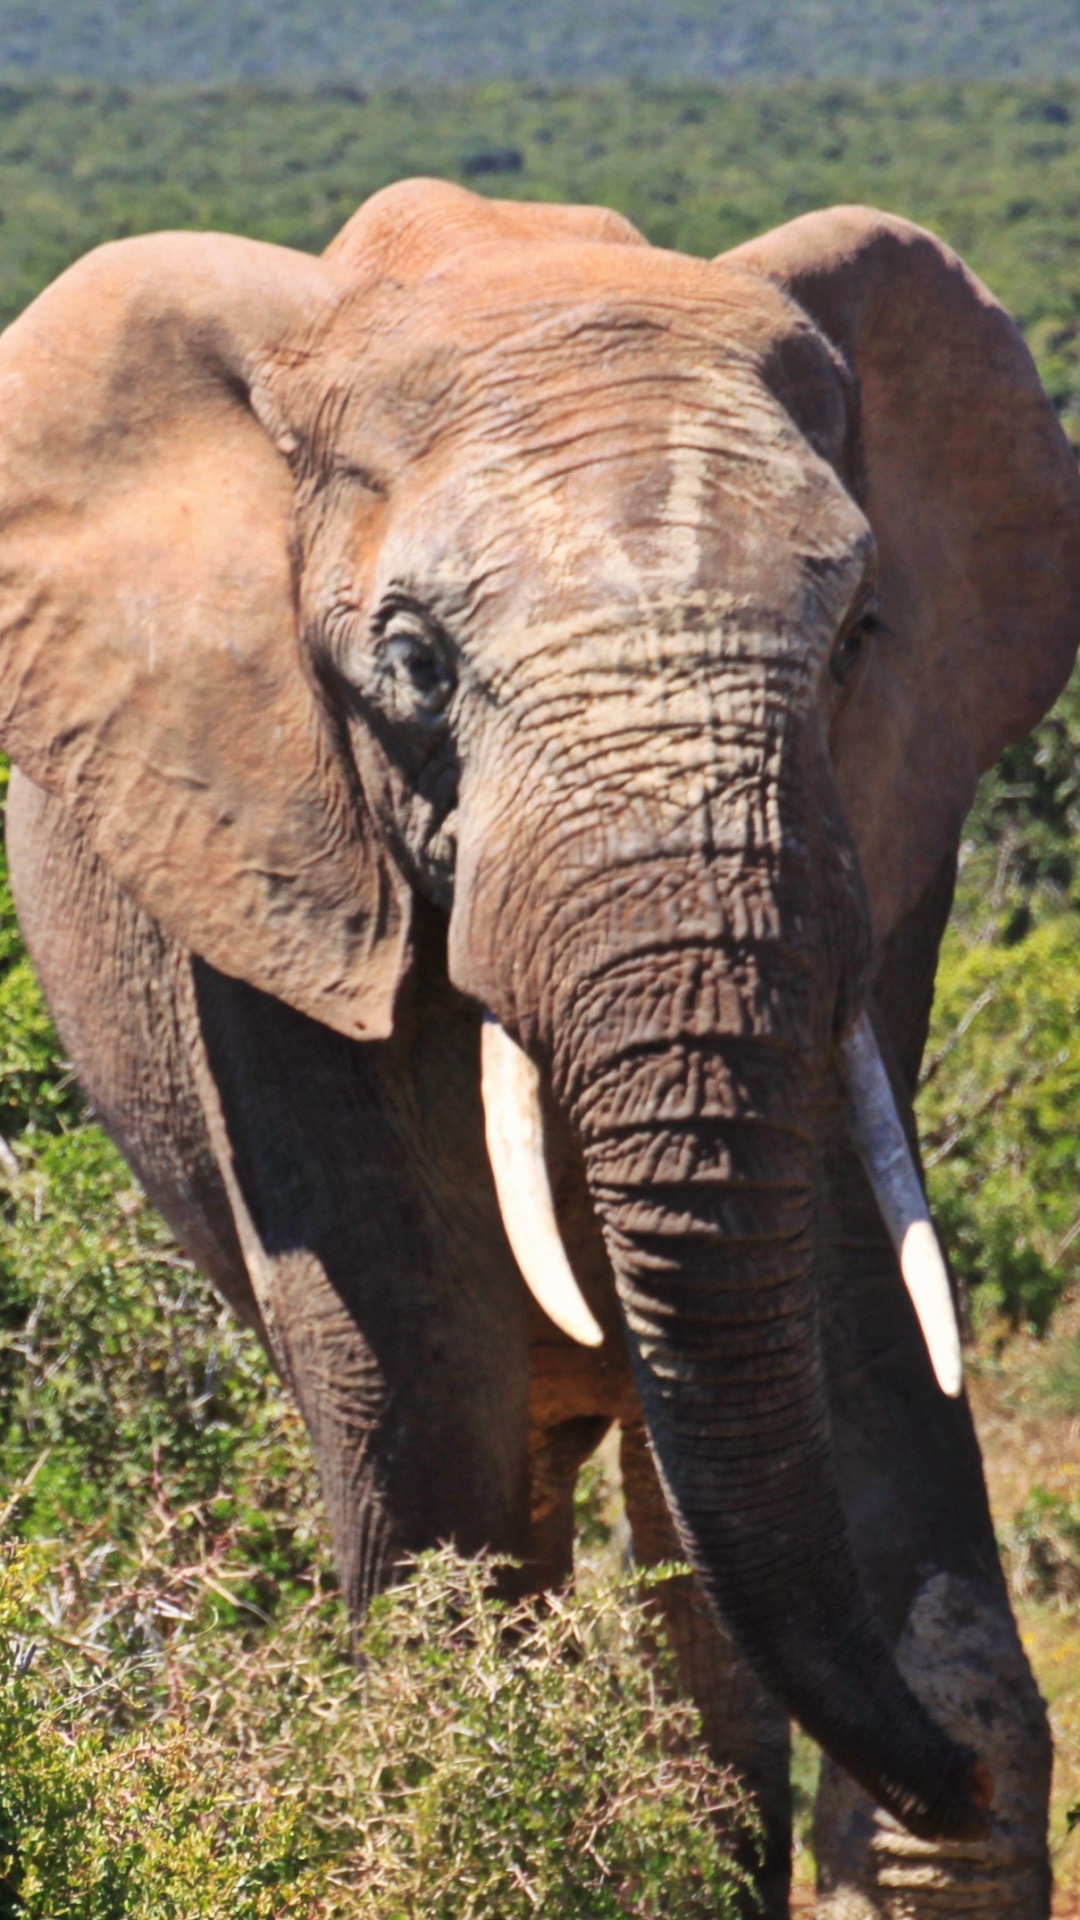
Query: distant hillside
x=992, y=166
x=380, y=42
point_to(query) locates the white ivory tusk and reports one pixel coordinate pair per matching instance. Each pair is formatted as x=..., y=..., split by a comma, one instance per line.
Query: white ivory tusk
x=884, y=1151
x=514, y=1125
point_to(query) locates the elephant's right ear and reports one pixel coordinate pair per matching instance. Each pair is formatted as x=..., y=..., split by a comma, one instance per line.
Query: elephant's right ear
x=972, y=493
x=150, y=666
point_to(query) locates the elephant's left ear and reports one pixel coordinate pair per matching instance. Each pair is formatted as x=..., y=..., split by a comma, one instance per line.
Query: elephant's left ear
x=974, y=499
x=151, y=667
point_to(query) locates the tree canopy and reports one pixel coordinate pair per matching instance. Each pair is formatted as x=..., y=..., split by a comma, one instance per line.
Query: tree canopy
x=431, y=42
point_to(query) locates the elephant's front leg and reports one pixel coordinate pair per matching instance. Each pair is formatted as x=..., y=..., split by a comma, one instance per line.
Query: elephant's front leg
x=918, y=1513
x=744, y=1728
x=360, y=1185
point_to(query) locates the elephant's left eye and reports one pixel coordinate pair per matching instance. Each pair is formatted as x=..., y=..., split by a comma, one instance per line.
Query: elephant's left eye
x=414, y=676
x=851, y=645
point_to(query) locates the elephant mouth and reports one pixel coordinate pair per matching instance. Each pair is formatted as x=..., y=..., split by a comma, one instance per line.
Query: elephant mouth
x=514, y=1125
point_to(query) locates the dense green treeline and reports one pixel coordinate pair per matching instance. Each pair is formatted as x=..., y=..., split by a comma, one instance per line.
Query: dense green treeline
x=995, y=169
x=439, y=41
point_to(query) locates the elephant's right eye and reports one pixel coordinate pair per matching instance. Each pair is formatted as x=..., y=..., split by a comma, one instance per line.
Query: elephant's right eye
x=414, y=678
x=852, y=643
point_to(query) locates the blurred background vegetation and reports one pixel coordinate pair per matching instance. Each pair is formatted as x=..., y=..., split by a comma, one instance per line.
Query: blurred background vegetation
x=386, y=42
x=994, y=168
x=171, y=1609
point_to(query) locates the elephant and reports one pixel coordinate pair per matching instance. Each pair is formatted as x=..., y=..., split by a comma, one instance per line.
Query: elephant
x=493, y=710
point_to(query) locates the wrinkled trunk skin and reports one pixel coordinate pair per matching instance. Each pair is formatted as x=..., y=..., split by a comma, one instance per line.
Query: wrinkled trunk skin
x=700, y=1160
x=685, y=1002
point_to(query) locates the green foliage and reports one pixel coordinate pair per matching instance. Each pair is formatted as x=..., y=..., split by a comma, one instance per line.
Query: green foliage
x=1058, y=1384
x=1042, y=1547
x=484, y=1763
x=137, y=1827
x=991, y=167
x=429, y=41
x=1021, y=840
x=531, y=1763
x=598, y=1517
x=36, y=1087
x=118, y=1360
x=998, y=1107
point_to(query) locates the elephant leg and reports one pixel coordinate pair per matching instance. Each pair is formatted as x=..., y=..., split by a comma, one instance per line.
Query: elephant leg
x=556, y=1455
x=360, y=1185
x=743, y=1726
x=122, y=997
x=920, y=1523
x=960, y=1651
x=917, y=1510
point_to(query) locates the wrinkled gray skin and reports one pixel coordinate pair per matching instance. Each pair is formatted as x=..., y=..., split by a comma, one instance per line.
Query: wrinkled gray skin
x=587, y=591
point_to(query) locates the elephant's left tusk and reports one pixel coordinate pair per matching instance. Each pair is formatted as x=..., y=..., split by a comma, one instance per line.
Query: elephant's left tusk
x=884, y=1151
x=514, y=1124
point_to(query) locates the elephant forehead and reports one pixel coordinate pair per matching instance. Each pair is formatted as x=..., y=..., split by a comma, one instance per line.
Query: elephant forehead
x=705, y=497
x=512, y=345
x=593, y=428
x=410, y=229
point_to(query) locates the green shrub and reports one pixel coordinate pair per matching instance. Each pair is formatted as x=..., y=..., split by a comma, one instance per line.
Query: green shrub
x=1042, y=1548
x=156, y=1824
x=116, y=1357
x=482, y=1762
x=1021, y=840
x=531, y=1763
x=999, y=1112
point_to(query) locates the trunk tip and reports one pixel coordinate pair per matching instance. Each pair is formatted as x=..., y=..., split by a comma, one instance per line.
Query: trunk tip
x=966, y=1811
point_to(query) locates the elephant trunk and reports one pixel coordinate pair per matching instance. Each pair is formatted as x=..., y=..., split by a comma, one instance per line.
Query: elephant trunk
x=679, y=948
x=700, y=1160
x=691, y=1069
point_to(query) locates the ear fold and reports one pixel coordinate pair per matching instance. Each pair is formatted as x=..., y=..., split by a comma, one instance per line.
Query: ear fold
x=150, y=666
x=974, y=499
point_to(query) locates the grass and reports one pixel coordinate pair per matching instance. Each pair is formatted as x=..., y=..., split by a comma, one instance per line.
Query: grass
x=1025, y=1391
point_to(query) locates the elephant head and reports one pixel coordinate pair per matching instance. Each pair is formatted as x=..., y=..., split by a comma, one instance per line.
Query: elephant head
x=652, y=619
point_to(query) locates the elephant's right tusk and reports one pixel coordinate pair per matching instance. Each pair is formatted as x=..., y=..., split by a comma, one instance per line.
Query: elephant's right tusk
x=514, y=1124
x=884, y=1151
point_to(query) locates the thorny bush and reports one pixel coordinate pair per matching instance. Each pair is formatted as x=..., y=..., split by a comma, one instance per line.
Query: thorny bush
x=478, y=1762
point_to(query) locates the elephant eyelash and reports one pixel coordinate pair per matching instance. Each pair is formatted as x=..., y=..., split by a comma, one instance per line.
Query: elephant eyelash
x=398, y=605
